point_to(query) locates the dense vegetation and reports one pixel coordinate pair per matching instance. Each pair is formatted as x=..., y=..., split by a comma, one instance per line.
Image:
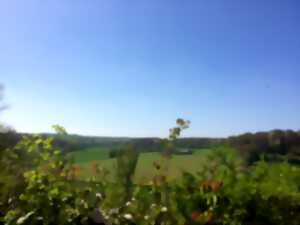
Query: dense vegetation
x=273, y=145
x=255, y=184
x=42, y=187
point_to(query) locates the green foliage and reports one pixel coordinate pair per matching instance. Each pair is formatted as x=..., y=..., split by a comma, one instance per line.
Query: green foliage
x=51, y=192
x=273, y=145
x=113, y=153
x=176, y=131
x=223, y=192
x=59, y=129
x=125, y=168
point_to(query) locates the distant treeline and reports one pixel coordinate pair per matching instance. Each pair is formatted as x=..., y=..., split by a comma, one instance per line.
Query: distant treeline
x=197, y=143
x=156, y=145
x=68, y=143
x=77, y=142
x=8, y=139
x=273, y=145
x=72, y=142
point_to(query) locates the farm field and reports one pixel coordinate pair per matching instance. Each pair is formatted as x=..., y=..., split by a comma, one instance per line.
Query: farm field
x=145, y=170
x=90, y=154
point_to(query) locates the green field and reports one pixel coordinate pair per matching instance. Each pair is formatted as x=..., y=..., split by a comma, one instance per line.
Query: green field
x=145, y=169
x=90, y=154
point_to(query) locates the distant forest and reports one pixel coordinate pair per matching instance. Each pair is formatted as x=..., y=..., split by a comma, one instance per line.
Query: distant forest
x=273, y=145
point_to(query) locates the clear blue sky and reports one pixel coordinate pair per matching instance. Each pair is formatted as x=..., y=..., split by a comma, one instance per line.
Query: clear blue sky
x=130, y=68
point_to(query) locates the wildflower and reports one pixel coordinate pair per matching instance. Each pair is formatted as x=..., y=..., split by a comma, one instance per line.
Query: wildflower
x=85, y=205
x=114, y=211
x=128, y=203
x=153, y=205
x=146, y=217
x=103, y=213
x=164, y=209
x=99, y=195
x=128, y=216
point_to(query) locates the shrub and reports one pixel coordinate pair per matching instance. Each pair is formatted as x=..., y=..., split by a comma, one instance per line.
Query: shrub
x=223, y=192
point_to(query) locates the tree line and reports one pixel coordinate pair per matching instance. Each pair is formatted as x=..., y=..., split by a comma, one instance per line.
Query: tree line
x=273, y=145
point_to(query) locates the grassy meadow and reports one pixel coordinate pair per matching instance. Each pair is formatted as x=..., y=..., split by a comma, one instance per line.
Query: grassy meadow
x=90, y=154
x=144, y=170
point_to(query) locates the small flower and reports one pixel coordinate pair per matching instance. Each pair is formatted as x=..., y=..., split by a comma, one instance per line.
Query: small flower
x=164, y=209
x=133, y=199
x=99, y=195
x=128, y=216
x=153, y=205
x=128, y=203
x=146, y=217
x=21, y=220
x=85, y=205
x=114, y=211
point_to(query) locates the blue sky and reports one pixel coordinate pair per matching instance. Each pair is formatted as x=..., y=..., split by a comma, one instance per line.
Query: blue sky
x=130, y=68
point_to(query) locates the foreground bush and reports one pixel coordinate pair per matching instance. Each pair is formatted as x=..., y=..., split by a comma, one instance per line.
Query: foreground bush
x=223, y=192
